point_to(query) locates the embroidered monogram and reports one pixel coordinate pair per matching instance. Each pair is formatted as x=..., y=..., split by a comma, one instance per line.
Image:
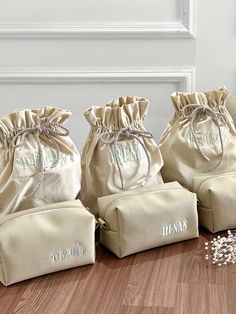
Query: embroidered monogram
x=128, y=153
x=32, y=160
x=177, y=227
x=209, y=137
x=60, y=255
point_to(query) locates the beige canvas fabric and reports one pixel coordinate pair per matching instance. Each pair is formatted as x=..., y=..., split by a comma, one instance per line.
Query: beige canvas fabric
x=216, y=195
x=120, y=153
x=39, y=162
x=231, y=106
x=200, y=139
x=148, y=217
x=45, y=239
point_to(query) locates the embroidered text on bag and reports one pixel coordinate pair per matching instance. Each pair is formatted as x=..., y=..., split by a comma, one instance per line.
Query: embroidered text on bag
x=128, y=132
x=60, y=255
x=50, y=157
x=217, y=117
x=177, y=227
x=126, y=153
x=49, y=129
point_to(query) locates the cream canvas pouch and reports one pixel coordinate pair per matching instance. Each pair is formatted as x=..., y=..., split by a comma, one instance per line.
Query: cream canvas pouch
x=45, y=239
x=39, y=162
x=148, y=217
x=200, y=139
x=217, y=201
x=120, y=153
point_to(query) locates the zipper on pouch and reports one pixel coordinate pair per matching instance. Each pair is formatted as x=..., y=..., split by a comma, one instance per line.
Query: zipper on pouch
x=102, y=221
x=22, y=213
x=228, y=174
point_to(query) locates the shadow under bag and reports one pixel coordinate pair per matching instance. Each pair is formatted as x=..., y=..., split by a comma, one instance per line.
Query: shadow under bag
x=39, y=162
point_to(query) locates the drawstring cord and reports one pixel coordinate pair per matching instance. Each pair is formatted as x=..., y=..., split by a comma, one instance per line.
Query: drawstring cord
x=49, y=129
x=217, y=117
x=128, y=132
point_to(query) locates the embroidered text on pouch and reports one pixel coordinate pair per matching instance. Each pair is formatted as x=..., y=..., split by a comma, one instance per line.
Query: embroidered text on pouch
x=60, y=255
x=177, y=227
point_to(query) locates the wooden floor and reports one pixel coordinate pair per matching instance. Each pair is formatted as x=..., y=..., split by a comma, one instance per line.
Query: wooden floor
x=172, y=279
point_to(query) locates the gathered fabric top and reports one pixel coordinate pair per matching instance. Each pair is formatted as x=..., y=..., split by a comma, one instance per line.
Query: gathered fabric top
x=118, y=113
x=214, y=99
x=21, y=119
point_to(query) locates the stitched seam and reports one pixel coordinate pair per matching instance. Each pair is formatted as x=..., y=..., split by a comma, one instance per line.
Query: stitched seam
x=119, y=231
x=156, y=190
x=35, y=213
x=212, y=212
x=3, y=268
x=195, y=202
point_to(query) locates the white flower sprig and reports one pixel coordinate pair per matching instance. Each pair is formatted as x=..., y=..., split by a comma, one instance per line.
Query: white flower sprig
x=222, y=249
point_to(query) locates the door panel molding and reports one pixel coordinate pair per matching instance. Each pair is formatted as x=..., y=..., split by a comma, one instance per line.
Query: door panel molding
x=184, y=28
x=184, y=77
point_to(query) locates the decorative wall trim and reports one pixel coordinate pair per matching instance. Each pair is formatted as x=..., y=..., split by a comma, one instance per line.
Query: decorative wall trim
x=185, y=28
x=185, y=77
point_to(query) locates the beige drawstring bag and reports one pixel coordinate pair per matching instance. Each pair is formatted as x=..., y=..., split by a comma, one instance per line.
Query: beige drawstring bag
x=39, y=162
x=45, y=239
x=119, y=153
x=199, y=139
x=199, y=150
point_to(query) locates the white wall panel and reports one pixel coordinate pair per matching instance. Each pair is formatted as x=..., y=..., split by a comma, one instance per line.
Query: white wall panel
x=104, y=18
x=216, y=44
x=89, y=11
x=76, y=91
x=97, y=53
x=45, y=38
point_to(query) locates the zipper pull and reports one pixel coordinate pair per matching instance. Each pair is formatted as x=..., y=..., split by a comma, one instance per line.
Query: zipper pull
x=96, y=224
x=198, y=203
x=103, y=224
